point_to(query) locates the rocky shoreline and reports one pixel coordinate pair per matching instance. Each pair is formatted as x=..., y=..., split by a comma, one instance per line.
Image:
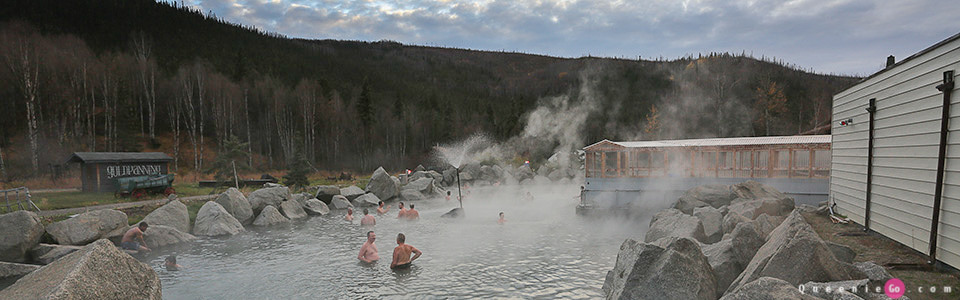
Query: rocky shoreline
x=742, y=241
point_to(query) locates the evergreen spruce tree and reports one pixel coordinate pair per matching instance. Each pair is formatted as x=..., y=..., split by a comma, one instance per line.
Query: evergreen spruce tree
x=232, y=151
x=297, y=174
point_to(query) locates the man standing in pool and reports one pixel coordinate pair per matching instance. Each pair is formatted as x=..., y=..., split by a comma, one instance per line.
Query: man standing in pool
x=401, y=254
x=382, y=210
x=403, y=211
x=412, y=214
x=368, y=252
x=367, y=218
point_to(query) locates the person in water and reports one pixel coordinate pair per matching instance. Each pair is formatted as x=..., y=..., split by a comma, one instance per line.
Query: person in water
x=171, y=263
x=129, y=240
x=412, y=214
x=448, y=195
x=349, y=216
x=368, y=252
x=403, y=211
x=401, y=254
x=382, y=210
x=501, y=220
x=367, y=219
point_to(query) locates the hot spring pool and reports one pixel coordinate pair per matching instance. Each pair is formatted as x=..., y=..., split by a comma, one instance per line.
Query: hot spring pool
x=543, y=251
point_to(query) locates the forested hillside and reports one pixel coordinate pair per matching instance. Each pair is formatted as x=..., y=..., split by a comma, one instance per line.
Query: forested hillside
x=136, y=75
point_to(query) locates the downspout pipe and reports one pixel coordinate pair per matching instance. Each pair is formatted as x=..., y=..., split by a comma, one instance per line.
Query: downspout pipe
x=871, y=110
x=947, y=88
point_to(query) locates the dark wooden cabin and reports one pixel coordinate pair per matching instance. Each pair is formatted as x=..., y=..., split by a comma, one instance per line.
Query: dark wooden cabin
x=99, y=169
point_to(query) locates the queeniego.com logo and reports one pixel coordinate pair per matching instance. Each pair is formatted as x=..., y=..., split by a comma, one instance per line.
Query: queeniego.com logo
x=893, y=288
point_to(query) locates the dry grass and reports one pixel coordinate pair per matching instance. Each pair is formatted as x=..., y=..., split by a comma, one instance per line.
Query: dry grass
x=901, y=261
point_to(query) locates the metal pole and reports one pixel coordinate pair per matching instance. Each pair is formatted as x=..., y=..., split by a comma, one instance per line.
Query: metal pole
x=236, y=181
x=459, y=194
x=871, y=109
x=947, y=88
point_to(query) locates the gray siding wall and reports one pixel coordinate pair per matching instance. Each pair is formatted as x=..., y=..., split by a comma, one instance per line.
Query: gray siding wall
x=906, y=138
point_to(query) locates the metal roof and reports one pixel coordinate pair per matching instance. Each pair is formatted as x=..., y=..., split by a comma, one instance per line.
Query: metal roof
x=737, y=141
x=108, y=157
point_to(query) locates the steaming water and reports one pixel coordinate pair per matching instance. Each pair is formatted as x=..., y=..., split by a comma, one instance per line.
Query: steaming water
x=457, y=154
x=543, y=251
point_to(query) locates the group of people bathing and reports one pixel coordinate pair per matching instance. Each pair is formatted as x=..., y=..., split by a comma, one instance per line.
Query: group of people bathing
x=405, y=214
x=401, y=254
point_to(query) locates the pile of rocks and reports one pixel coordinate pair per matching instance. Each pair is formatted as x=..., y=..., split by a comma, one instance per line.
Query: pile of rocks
x=742, y=241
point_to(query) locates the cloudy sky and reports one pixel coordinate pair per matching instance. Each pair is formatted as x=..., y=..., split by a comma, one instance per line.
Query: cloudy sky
x=829, y=36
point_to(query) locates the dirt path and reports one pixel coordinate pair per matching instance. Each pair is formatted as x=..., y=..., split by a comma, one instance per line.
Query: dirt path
x=77, y=210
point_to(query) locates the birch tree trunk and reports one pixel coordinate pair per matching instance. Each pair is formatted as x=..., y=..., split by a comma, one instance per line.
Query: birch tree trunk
x=23, y=61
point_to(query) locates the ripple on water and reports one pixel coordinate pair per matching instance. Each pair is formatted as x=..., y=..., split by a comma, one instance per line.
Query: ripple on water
x=544, y=251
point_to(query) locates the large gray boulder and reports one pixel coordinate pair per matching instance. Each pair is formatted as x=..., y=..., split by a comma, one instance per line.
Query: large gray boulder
x=98, y=271
x=754, y=190
x=426, y=174
x=88, y=227
x=301, y=198
x=524, y=172
x=764, y=223
x=792, y=242
x=213, y=220
x=316, y=207
x=21, y=231
x=351, y=192
x=367, y=200
x=161, y=236
x=712, y=221
x=382, y=185
x=48, y=253
x=173, y=214
x=647, y=271
x=340, y=202
x=236, y=204
x=9, y=269
x=270, y=216
x=268, y=196
x=714, y=195
x=411, y=195
x=292, y=209
x=423, y=185
x=767, y=288
x=732, y=254
x=326, y=192
x=450, y=177
x=674, y=223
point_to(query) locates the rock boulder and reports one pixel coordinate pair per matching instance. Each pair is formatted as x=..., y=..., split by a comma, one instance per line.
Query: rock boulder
x=161, y=236
x=316, y=207
x=98, y=271
x=714, y=195
x=712, y=221
x=673, y=222
x=173, y=214
x=270, y=216
x=382, y=185
x=754, y=190
x=792, y=242
x=292, y=209
x=9, y=269
x=236, y=204
x=767, y=288
x=350, y=192
x=340, y=202
x=732, y=254
x=48, y=253
x=326, y=192
x=268, y=196
x=213, y=220
x=411, y=195
x=367, y=200
x=21, y=232
x=648, y=271
x=88, y=227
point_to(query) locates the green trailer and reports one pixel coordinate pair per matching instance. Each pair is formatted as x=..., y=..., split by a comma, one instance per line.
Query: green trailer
x=138, y=186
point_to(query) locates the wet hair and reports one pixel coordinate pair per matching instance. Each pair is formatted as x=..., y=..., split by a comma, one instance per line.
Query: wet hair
x=401, y=203
x=380, y=203
x=369, y=233
x=172, y=259
x=448, y=193
x=349, y=210
x=144, y=225
x=501, y=213
x=366, y=211
x=401, y=238
x=411, y=206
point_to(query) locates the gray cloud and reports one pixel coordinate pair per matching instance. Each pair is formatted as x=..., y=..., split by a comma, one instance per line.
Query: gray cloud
x=838, y=36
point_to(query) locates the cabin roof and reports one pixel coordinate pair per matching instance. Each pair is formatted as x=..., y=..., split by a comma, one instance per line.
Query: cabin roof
x=118, y=157
x=737, y=141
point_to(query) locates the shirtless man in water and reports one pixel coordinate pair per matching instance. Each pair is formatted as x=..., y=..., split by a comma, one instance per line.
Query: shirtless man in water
x=401, y=254
x=412, y=214
x=129, y=240
x=501, y=221
x=403, y=211
x=368, y=252
x=382, y=210
x=349, y=216
x=367, y=218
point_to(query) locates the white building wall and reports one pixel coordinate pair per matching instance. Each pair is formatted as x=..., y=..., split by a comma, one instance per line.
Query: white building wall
x=906, y=139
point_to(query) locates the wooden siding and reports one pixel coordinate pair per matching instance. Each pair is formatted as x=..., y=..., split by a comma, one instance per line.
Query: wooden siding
x=906, y=139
